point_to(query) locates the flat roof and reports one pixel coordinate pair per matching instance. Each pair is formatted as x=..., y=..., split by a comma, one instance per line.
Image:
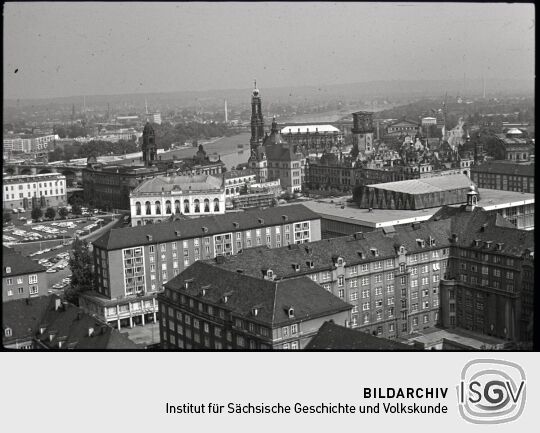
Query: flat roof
x=490, y=199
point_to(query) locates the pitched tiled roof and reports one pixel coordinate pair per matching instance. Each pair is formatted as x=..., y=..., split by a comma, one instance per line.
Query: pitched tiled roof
x=18, y=264
x=71, y=325
x=335, y=337
x=166, y=231
x=320, y=255
x=23, y=317
x=486, y=226
x=158, y=184
x=272, y=299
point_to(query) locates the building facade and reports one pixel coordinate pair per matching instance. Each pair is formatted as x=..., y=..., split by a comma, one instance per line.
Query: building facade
x=209, y=308
x=489, y=284
x=28, y=144
x=30, y=191
x=157, y=199
x=402, y=127
x=362, y=132
x=132, y=264
x=21, y=277
x=237, y=181
x=313, y=139
x=508, y=176
x=390, y=277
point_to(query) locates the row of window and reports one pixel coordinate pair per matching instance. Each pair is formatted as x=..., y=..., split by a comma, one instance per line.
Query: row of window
x=32, y=279
x=186, y=207
x=32, y=290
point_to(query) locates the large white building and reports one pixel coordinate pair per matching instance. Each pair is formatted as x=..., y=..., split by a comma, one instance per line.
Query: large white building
x=27, y=144
x=157, y=199
x=38, y=190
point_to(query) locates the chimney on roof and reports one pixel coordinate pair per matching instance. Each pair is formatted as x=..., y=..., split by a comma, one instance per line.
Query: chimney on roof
x=284, y=217
x=57, y=304
x=454, y=238
x=204, y=229
x=177, y=233
x=79, y=315
x=240, y=271
x=255, y=311
x=236, y=224
x=499, y=246
x=261, y=221
x=90, y=331
x=149, y=237
x=27, y=300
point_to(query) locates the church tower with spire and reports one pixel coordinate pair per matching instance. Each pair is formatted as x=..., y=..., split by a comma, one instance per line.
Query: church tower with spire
x=257, y=158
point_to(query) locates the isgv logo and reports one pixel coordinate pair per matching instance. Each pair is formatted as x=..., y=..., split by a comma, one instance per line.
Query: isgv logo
x=491, y=391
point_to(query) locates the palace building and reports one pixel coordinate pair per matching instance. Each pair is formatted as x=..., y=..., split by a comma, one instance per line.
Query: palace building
x=157, y=199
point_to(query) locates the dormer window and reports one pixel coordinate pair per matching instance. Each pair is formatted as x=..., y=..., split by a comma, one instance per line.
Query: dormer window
x=401, y=249
x=499, y=246
x=269, y=274
x=255, y=311
x=361, y=254
x=487, y=244
x=339, y=261
x=8, y=269
x=477, y=242
x=375, y=252
x=310, y=264
x=421, y=243
x=431, y=241
x=290, y=312
x=296, y=267
x=8, y=332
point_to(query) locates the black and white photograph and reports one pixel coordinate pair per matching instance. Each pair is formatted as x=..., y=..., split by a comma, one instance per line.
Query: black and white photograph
x=268, y=176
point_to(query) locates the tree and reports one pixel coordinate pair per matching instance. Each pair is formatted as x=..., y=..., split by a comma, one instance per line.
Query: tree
x=76, y=209
x=50, y=213
x=82, y=278
x=6, y=218
x=63, y=212
x=36, y=213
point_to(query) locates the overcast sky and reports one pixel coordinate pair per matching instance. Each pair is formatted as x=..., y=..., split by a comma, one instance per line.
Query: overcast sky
x=65, y=49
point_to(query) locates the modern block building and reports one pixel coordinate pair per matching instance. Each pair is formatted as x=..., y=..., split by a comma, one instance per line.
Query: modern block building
x=156, y=199
x=132, y=264
x=210, y=308
x=37, y=190
x=21, y=276
x=390, y=277
x=414, y=194
x=505, y=175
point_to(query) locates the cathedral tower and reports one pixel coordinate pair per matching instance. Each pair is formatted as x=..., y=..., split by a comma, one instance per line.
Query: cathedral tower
x=257, y=158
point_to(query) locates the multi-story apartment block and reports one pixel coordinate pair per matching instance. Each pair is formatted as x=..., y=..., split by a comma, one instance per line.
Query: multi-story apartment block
x=28, y=143
x=390, y=277
x=210, y=308
x=489, y=283
x=132, y=264
x=157, y=199
x=37, y=190
x=21, y=276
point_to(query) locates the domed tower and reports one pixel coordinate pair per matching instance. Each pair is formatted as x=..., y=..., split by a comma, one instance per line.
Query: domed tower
x=149, y=149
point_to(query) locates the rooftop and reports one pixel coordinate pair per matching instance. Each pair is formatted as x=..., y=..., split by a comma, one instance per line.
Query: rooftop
x=505, y=167
x=335, y=337
x=295, y=260
x=427, y=185
x=158, y=184
x=18, y=264
x=214, y=224
x=271, y=299
x=302, y=129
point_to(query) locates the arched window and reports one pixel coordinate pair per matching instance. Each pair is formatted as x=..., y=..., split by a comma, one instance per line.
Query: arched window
x=139, y=223
x=148, y=208
x=177, y=206
x=197, y=205
x=216, y=205
x=227, y=191
x=168, y=207
x=138, y=207
x=186, y=206
x=158, y=208
x=206, y=205
x=237, y=190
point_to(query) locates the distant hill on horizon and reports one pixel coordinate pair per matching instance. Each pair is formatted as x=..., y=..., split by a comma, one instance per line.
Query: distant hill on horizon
x=373, y=89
